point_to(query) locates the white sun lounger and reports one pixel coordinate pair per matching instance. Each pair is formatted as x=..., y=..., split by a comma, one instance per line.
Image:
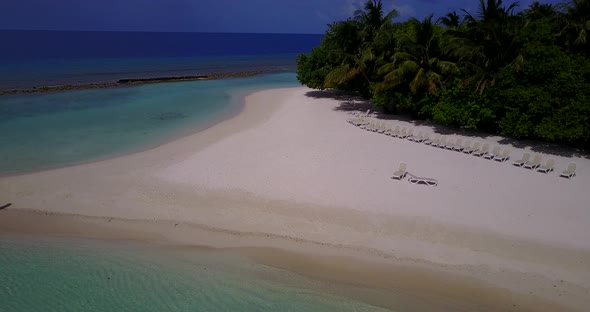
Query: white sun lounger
x=403, y=133
x=442, y=142
x=394, y=132
x=365, y=124
x=401, y=172
x=433, y=140
x=420, y=137
x=495, y=152
x=381, y=127
x=357, y=121
x=388, y=130
x=420, y=180
x=523, y=160
x=458, y=146
x=414, y=137
x=469, y=150
x=461, y=148
x=360, y=114
x=570, y=172
x=505, y=155
x=533, y=164
x=449, y=144
x=482, y=151
x=371, y=126
x=547, y=167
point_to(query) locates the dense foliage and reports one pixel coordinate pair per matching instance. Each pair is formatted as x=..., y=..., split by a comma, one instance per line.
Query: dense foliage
x=524, y=74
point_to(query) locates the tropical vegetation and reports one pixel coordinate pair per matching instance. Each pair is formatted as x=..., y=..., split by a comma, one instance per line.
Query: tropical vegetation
x=522, y=72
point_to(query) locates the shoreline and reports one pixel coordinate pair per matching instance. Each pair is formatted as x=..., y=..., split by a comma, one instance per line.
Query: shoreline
x=123, y=82
x=238, y=98
x=283, y=174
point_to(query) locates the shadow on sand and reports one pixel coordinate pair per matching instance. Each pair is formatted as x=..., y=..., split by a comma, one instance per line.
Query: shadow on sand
x=353, y=102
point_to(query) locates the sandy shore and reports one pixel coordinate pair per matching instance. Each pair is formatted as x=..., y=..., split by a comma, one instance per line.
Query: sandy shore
x=289, y=172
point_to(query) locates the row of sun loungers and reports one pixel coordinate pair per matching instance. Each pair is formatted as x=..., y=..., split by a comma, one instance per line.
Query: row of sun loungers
x=436, y=140
x=549, y=166
x=475, y=149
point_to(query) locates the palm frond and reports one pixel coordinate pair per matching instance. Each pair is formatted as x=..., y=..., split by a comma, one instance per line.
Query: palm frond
x=339, y=75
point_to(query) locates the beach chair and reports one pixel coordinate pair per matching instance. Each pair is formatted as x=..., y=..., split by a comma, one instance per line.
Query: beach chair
x=547, y=167
x=442, y=142
x=420, y=180
x=495, y=152
x=534, y=164
x=505, y=155
x=410, y=134
x=482, y=151
x=432, y=140
x=462, y=148
x=387, y=130
x=570, y=172
x=359, y=121
x=372, y=126
x=449, y=144
x=458, y=145
x=523, y=160
x=403, y=133
x=361, y=114
x=365, y=124
x=413, y=137
x=401, y=172
x=394, y=132
x=425, y=137
x=381, y=127
x=420, y=137
x=469, y=150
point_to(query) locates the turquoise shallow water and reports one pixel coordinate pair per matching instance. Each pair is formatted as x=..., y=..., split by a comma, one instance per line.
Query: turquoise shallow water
x=58, y=274
x=46, y=130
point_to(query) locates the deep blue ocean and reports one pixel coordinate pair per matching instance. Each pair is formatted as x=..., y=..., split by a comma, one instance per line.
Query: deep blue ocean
x=47, y=58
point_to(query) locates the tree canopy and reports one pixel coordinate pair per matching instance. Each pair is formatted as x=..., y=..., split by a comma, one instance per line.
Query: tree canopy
x=521, y=73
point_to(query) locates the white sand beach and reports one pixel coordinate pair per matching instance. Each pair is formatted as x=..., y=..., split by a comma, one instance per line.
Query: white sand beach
x=290, y=168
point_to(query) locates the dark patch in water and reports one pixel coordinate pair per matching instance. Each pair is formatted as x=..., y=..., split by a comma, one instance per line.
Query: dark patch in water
x=170, y=115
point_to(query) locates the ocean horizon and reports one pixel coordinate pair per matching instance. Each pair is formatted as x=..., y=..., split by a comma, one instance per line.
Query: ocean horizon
x=49, y=58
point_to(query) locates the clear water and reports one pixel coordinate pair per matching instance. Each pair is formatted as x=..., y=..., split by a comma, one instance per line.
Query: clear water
x=45, y=130
x=50, y=274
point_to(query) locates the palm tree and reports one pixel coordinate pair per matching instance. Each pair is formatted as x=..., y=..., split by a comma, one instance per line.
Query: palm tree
x=489, y=42
x=577, y=21
x=355, y=65
x=537, y=11
x=373, y=18
x=451, y=20
x=358, y=63
x=417, y=62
